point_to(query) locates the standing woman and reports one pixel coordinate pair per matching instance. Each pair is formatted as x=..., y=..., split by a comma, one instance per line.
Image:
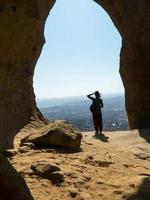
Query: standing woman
x=95, y=108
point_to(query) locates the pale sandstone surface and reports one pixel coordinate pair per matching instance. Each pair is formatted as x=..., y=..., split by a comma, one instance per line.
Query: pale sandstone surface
x=114, y=170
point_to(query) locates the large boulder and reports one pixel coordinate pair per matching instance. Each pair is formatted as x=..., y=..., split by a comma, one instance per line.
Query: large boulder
x=59, y=133
x=12, y=185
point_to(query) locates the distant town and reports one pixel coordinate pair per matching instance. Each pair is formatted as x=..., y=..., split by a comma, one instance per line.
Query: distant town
x=76, y=111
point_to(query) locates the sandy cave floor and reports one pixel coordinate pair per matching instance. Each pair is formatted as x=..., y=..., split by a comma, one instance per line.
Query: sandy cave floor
x=111, y=170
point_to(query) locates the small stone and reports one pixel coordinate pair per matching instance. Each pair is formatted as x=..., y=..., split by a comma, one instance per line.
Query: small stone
x=56, y=178
x=29, y=144
x=73, y=192
x=80, y=182
x=118, y=192
x=89, y=143
x=100, y=194
x=24, y=149
x=84, y=196
x=132, y=185
x=100, y=182
x=37, y=151
x=90, y=158
x=50, y=151
x=44, y=169
x=74, y=175
x=86, y=177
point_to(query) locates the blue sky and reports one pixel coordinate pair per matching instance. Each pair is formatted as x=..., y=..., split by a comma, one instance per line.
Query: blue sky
x=81, y=53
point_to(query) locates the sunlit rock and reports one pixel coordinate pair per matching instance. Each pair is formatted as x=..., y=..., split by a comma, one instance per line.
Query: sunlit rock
x=58, y=133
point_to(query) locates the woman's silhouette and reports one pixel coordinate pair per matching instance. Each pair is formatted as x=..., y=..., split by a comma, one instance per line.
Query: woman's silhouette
x=95, y=108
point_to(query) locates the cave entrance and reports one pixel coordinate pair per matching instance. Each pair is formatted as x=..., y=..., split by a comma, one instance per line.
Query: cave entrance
x=81, y=55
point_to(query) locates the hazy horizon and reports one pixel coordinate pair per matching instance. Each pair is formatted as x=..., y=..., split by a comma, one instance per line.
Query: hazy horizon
x=78, y=96
x=76, y=111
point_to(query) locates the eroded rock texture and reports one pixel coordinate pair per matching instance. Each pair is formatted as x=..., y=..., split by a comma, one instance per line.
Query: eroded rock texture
x=21, y=40
x=132, y=19
x=12, y=185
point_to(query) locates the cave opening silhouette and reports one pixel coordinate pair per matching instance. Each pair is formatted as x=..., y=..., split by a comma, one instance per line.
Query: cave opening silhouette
x=81, y=53
x=77, y=52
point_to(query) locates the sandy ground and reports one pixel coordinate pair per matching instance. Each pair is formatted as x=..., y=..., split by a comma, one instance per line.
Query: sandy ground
x=103, y=170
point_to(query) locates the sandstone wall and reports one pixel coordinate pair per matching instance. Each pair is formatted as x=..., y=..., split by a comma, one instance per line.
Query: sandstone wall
x=132, y=19
x=21, y=40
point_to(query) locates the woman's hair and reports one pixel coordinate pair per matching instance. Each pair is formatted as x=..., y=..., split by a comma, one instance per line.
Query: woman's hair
x=97, y=94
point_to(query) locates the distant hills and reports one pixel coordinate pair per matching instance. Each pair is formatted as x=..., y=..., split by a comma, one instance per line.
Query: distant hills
x=76, y=111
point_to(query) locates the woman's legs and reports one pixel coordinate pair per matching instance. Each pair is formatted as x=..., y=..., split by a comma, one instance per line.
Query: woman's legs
x=100, y=123
x=97, y=121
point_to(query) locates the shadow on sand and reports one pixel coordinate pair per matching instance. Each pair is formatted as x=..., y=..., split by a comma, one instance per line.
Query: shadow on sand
x=143, y=192
x=102, y=137
x=145, y=133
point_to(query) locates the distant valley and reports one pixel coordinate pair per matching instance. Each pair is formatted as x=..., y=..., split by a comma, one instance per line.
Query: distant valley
x=76, y=111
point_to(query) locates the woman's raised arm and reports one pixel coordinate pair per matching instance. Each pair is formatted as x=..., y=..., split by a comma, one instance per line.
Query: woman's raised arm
x=89, y=96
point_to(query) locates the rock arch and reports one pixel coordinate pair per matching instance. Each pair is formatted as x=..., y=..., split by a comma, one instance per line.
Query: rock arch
x=21, y=41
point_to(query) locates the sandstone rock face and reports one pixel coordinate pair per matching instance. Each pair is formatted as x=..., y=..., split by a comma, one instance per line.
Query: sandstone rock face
x=21, y=41
x=58, y=133
x=132, y=19
x=12, y=185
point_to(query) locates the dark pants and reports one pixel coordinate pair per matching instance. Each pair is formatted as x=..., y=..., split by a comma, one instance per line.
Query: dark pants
x=97, y=121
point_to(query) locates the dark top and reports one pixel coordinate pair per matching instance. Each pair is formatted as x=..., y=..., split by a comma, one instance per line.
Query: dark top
x=97, y=104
